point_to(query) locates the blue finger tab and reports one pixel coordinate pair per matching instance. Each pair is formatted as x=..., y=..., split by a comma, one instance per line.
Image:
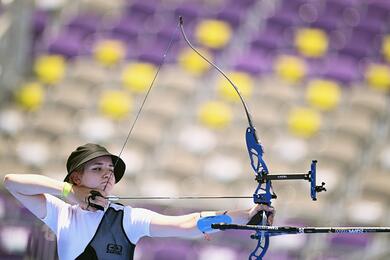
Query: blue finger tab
x=204, y=224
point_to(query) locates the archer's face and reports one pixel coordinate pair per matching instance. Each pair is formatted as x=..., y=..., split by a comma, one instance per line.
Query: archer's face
x=99, y=172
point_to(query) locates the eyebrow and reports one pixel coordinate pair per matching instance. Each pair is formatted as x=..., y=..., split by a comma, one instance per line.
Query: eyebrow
x=98, y=163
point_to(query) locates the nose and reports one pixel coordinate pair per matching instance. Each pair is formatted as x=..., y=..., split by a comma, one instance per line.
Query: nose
x=108, y=174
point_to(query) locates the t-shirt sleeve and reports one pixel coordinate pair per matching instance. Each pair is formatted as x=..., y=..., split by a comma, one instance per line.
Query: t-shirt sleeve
x=139, y=223
x=54, y=206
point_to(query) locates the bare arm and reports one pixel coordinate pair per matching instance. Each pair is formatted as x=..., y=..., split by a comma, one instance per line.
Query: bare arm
x=186, y=225
x=29, y=190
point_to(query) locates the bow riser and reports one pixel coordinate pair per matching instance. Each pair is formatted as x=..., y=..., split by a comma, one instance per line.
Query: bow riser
x=262, y=195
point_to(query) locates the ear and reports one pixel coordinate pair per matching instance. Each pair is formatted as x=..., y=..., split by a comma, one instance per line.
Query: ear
x=75, y=178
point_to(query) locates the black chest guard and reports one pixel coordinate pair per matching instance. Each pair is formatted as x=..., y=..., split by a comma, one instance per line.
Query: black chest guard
x=110, y=241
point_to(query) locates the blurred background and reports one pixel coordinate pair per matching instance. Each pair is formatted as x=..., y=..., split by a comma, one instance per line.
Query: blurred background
x=315, y=74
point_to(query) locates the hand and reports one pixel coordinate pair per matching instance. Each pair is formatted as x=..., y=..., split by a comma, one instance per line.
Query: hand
x=80, y=195
x=269, y=210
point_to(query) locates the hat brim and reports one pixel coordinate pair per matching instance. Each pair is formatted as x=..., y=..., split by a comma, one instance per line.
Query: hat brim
x=119, y=164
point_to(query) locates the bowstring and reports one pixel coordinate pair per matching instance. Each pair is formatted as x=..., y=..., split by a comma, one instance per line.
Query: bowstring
x=248, y=115
x=172, y=39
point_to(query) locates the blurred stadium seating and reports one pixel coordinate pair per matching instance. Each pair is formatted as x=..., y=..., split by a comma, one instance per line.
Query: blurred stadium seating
x=317, y=80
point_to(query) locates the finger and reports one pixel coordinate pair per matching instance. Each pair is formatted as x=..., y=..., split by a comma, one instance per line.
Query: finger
x=94, y=194
x=100, y=201
x=267, y=208
x=99, y=193
x=270, y=219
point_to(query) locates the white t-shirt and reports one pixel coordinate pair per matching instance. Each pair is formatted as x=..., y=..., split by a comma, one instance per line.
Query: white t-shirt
x=75, y=227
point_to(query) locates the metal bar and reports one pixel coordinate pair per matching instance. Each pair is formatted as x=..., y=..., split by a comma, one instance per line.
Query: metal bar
x=282, y=176
x=307, y=230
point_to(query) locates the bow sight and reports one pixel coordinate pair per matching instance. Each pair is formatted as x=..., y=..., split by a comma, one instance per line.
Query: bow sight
x=310, y=176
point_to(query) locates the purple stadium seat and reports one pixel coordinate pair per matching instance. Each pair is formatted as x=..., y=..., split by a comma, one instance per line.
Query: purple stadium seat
x=153, y=53
x=293, y=5
x=142, y=10
x=40, y=20
x=362, y=43
x=378, y=10
x=174, y=250
x=282, y=21
x=232, y=16
x=277, y=33
x=41, y=243
x=356, y=49
x=241, y=4
x=342, y=69
x=350, y=240
x=67, y=44
x=327, y=23
x=26, y=216
x=125, y=28
x=233, y=238
x=280, y=256
x=17, y=246
x=270, y=41
x=85, y=24
x=337, y=8
x=190, y=12
x=371, y=27
x=168, y=33
x=254, y=62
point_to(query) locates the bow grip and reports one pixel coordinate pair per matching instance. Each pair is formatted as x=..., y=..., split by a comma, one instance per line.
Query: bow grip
x=260, y=218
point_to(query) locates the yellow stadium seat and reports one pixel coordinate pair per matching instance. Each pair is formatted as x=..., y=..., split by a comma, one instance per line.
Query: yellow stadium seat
x=215, y=114
x=213, y=34
x=242, y=80
x=138, y=76
x=191, y=62
x=311, y=42
x=115, y=104
x=30, y=96
x=378, y=76
x=304, y=122
x=386, y=47
x=50, y=69
x=290, y=68
x=323, y=94
x=109, y=52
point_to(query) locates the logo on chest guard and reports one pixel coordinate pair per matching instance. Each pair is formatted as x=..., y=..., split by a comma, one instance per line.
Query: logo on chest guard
x=114, y=249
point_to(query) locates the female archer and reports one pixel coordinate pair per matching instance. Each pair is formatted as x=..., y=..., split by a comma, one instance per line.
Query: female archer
x=88, y=226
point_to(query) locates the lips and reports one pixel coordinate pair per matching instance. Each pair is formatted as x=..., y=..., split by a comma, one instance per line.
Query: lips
x=106, y=183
